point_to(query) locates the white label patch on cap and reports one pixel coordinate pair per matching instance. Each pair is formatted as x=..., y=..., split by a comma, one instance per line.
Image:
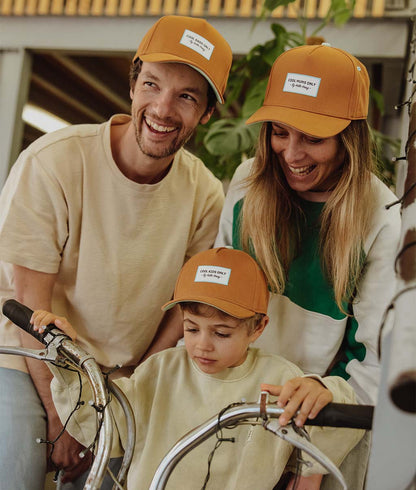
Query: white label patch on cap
x=213, y=273
x=198, y=43
x=302, y=84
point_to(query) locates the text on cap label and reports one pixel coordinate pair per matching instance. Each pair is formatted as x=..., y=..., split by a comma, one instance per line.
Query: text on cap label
x=302, y=84
x=197, y=43
x=213, y=274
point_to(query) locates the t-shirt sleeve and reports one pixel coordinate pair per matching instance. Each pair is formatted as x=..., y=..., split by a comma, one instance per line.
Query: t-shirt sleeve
x=33, y=221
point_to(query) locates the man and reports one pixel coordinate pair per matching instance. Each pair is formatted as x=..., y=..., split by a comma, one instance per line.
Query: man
x=118, y=207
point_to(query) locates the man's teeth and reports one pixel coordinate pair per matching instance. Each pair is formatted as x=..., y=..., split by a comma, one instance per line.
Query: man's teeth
x=302, y=170
x=158, y=127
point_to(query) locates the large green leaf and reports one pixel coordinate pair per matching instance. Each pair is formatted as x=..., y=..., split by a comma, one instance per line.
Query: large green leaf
x=342, y=16
x=229, y=136
x=254, y=98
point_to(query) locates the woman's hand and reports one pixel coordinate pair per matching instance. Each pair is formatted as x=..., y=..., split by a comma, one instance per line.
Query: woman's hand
x=41, y=318
x=308, y=395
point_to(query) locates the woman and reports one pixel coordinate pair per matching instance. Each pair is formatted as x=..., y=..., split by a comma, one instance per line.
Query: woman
x=311, y=210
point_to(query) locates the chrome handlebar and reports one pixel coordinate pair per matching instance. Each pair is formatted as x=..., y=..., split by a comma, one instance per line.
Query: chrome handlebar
x=62, y=351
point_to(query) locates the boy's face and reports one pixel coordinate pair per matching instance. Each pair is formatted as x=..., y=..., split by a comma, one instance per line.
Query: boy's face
x=216, y=342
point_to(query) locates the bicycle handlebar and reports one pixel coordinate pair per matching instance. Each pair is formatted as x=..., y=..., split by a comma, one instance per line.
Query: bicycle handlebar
x=55, y=339
x=20, y=315
x=334, y=415
x=343, y=415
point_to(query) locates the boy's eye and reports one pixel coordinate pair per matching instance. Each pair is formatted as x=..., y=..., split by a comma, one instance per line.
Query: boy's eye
x=191, y=330
x=222, y=335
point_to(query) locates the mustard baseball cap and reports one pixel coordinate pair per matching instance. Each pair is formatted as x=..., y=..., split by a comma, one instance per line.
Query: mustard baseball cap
x=224, y=278
x=318, y=90
x=192, y=41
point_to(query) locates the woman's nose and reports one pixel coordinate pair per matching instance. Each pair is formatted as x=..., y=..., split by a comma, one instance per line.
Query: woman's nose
x=293, y=151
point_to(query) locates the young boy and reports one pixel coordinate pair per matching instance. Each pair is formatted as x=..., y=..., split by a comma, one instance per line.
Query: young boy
x=223, y=296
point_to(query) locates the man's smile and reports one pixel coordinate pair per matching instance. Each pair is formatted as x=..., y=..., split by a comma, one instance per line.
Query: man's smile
x=158, y=127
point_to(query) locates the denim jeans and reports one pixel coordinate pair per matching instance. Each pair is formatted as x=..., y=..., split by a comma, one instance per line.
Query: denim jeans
x=22, y=421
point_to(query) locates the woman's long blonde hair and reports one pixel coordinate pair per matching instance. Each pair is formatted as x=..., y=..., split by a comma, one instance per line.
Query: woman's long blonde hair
x=272, y=215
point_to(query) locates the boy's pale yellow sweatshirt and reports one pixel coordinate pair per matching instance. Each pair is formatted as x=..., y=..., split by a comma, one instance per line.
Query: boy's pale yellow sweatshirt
x=171, y=396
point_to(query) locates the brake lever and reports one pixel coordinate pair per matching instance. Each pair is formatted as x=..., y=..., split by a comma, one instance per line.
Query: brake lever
x=48, y=353
x=299, y=438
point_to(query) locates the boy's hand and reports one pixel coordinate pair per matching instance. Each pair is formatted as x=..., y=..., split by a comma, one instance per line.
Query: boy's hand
x=307, y=395
x=41, y=318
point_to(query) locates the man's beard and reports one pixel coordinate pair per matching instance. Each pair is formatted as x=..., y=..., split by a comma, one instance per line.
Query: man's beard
x=175, y=145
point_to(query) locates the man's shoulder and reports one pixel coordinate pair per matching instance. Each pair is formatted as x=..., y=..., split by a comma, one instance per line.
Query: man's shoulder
x=189, y=163
x=65, y=151
x=67, y=136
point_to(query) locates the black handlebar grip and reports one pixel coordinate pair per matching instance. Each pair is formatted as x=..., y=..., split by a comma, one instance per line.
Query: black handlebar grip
x=20, y=315
x=344, y=415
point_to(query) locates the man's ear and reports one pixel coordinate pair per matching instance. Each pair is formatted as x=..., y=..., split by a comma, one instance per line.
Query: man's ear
x=132, y=85
x=207, y=115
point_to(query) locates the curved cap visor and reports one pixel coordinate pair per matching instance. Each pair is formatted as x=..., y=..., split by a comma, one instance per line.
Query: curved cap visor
x=317, y=125
x=225, y=306
x=166, y=58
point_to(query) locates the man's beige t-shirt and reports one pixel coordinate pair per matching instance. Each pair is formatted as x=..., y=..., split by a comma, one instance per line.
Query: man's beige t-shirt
x=117, y=246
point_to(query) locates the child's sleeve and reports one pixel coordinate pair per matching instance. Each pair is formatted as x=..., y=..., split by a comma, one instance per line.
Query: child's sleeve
x=67, y=390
